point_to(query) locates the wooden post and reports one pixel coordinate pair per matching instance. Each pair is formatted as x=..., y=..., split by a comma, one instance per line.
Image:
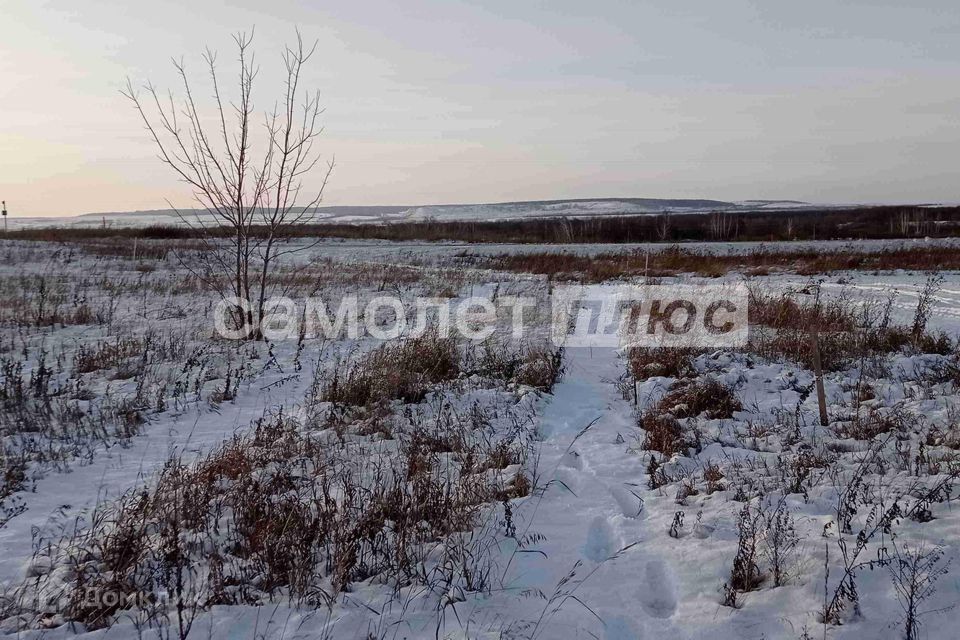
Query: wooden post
x=818, y=372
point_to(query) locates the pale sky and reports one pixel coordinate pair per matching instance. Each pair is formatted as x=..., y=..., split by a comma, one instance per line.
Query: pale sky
x=436, y=101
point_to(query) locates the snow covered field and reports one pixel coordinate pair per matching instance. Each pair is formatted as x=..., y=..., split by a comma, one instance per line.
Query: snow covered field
x=638, y=495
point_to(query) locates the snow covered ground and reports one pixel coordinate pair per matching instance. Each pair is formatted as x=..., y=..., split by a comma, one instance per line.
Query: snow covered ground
x=442, y=252
x=602, y=547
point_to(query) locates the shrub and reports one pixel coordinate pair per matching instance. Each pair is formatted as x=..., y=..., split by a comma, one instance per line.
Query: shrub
x=662, y=432
x=781, y=329
x=404, y=370
x=686, y=399
x=540, y=368
x=745, y=574
x=534, y=366
x=780, y=541
x=107, y=355
x=670, y=362
x=707, y=396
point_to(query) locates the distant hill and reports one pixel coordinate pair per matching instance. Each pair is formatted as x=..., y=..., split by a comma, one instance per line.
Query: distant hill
x=571, y=208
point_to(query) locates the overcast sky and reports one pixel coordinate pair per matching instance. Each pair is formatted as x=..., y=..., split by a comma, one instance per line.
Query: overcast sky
x=437, y=101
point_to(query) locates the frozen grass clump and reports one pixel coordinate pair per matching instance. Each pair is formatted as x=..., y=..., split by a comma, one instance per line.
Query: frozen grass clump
x=404, y=370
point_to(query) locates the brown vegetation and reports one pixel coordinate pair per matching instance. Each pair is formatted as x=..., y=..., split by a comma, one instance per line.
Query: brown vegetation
x=404, y=370
x=283, y=511
x=781, y=329
x=670, y=362
x=705, y=397
x=676, y=260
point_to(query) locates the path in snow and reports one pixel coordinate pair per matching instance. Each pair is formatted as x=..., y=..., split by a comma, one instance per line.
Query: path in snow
x=592, y=510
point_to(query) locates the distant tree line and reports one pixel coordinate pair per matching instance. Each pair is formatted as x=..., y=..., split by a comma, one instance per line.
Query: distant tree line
x=718, y=226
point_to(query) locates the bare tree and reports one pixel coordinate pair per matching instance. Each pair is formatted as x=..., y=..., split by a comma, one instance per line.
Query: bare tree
x=252, y=187
x=664, y=226
x=724, y=225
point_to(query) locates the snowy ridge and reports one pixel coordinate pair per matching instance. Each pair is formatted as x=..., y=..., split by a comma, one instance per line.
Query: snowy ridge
x=441, y=213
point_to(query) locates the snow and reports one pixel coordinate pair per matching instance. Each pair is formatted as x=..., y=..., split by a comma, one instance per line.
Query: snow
x=58, y=498
x=593, y=556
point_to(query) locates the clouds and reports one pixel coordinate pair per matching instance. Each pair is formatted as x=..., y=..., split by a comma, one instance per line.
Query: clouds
x=432, y=101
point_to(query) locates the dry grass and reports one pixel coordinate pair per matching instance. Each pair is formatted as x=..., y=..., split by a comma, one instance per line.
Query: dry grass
x=676, y=260
x=140, y=249
x=662, y=432
x=107, y=355
x=781, y=329
x=670, y=362
x=867, y=425
x=533, y=366
x=283, y=512
x=705, y=397
x=406, y=370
